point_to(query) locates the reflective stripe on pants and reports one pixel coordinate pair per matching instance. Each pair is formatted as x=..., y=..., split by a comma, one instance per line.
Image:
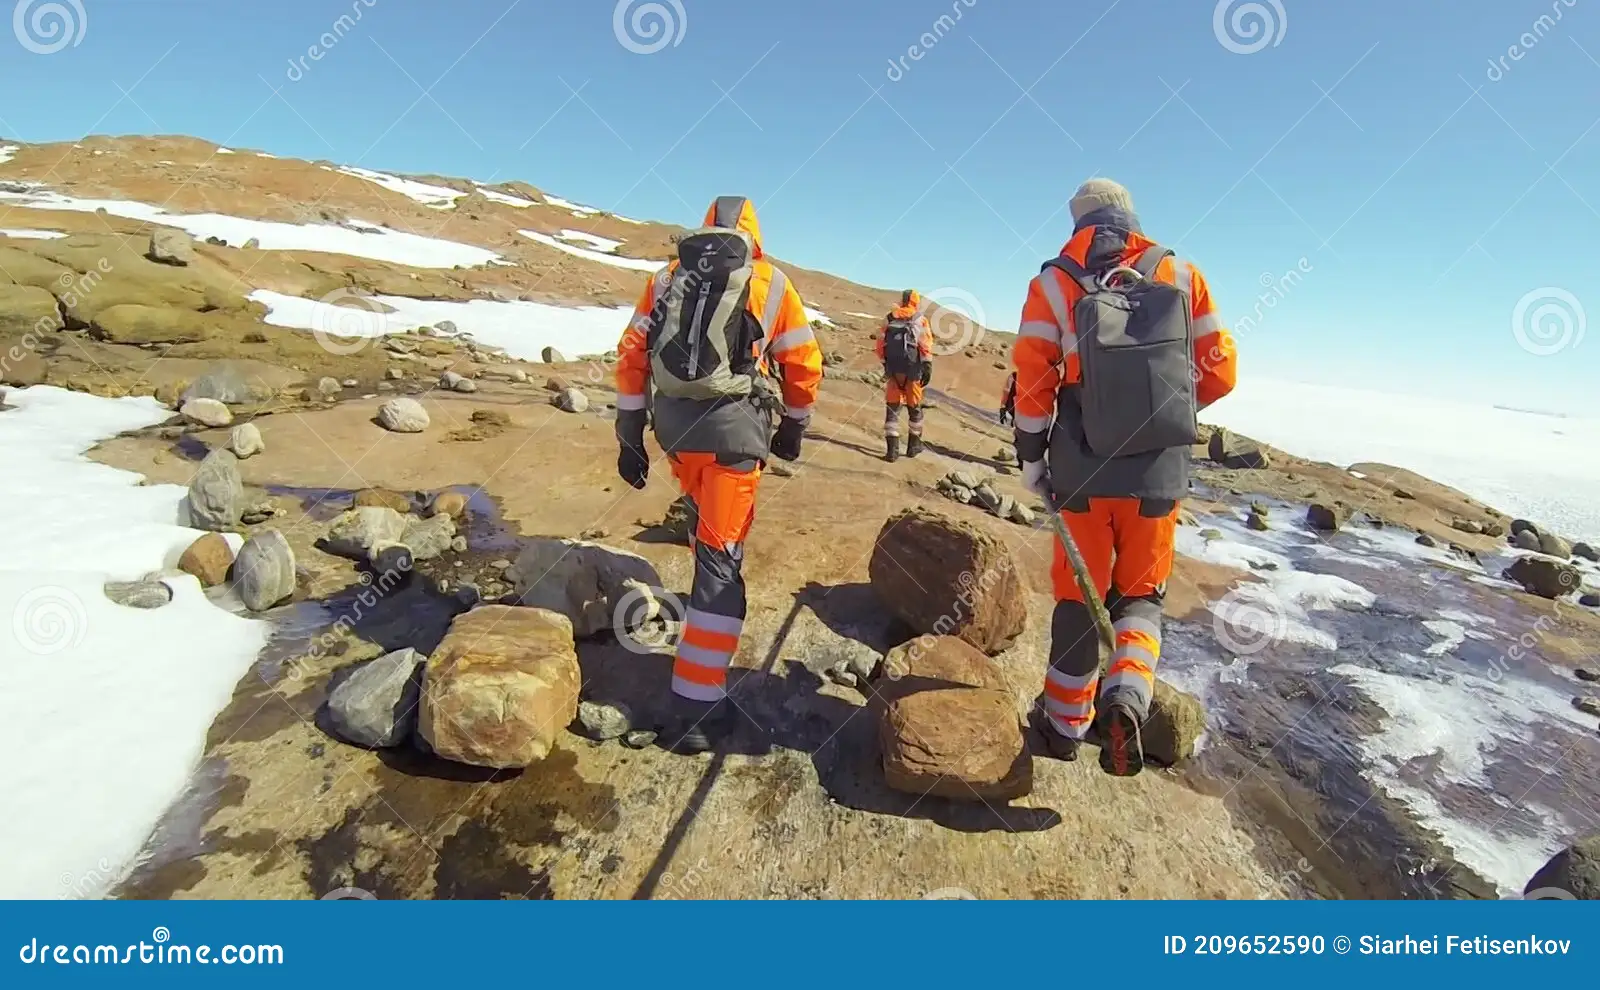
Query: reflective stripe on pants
x=723, y=505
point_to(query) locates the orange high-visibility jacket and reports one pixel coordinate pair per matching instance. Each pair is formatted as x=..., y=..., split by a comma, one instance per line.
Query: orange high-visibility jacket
x=1045, y=355
x=924, y=330
x=774, y=301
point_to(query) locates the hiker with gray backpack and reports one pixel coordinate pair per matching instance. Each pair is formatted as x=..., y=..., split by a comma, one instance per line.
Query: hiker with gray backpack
x=1120, y=346
x=905, y=346
x=698, y=361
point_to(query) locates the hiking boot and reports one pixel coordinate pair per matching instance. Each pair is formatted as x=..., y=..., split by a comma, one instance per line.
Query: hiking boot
x=913, y=446
x=1121, y=748
x=1046, y=741
x=697, y=727
x=891, y=448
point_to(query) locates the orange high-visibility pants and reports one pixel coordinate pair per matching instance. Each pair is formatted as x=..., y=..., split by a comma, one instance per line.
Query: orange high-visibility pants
x=907, y=391
x=723, y=502
x=1127, y=545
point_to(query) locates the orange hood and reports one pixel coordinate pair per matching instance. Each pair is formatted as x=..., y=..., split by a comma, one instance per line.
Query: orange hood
x=912, y=307
x=738, y=213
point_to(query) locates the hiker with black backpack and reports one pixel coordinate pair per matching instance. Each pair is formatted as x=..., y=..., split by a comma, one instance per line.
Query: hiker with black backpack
x=1119, y=347
x=905, y=346
x=697, y=361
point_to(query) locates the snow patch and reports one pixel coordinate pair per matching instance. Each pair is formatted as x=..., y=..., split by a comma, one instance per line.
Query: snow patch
x=437, y=197
x=371, y=241
x=496, y=196
x=36, y=235
x=1451, y=635
x=8, y=152
x=818, y=316
x=106, y=708
x=598, y=243
x=577, y=209
x=229, y=151
x=522, y=329
x=615, y=261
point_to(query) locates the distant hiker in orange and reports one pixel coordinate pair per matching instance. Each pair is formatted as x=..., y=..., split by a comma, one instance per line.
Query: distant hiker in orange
x=1120, y=345
x=1008, y=401
x=706, y=336
x=906, y=349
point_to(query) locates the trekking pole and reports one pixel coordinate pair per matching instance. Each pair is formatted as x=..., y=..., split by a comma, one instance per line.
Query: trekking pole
x=1080, y=572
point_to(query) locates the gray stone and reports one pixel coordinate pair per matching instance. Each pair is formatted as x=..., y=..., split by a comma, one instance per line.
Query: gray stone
x=139, y=594
x=964, y=479
x=1525, y=539
x=1589, y=706
x=1466, y=525
x=1236, y=452
x=206, y=412
x=446, y=326
x=1021, y=514
x=588, y=583
x=391, y=560
x=350, y=383
x=1573, y=872
x=263, y=573
x=1423, y=539
x=355, y=533
x=245, y=441
x=1589, y=600
x=519, y=376
x=572, y=400
x=459, y=545
x=214, y=493
x=457, y=383
x=1554, y=545
x=395, y=374
x=403, y=416
x=428, y=538
x=329, y=387
x=552, y=356
x=1585, y=551
x=1585, y=674
x=376, y=704
x=602, y=722
x=638, y=739
x=1257, y=522
x=170, y=246
x=1523, y=525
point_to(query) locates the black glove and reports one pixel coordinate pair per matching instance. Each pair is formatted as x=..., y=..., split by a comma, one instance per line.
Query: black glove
x=927, y=372
x=633, y=464
x=786, y=442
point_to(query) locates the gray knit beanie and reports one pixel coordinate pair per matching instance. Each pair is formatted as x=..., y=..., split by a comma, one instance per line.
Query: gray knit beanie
x=1096, y=194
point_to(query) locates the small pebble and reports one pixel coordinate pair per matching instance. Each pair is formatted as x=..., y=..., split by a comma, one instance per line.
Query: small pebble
x=638, y=739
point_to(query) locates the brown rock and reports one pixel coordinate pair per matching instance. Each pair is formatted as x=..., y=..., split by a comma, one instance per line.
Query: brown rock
x=948, y=724
x=555, y=383
x=369, y=498
x=948, y=578
x=1544, y=576
x=1326, y=518
x=22, y=368
x=501, y=687
x=452, y=504
x=1175, y=724
x=208, y=559
x=1236, y=452
x=491, y=417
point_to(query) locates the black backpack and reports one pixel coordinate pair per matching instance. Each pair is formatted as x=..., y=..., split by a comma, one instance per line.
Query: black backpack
x=901, y=353
x=1136, y=353
x=702, y=335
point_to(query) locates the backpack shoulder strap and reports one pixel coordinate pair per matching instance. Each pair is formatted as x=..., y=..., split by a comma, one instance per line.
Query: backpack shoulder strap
x=1150, y=259
x=1075, y=271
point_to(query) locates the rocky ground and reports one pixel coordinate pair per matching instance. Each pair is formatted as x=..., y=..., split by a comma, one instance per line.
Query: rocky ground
x=375, y=527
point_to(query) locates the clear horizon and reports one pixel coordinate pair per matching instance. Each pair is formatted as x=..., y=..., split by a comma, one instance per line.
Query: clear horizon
x=1358, y=183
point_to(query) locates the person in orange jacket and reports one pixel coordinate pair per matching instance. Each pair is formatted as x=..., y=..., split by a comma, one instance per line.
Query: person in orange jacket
x=1102, y=433
x=697, y=363
x=905, y=346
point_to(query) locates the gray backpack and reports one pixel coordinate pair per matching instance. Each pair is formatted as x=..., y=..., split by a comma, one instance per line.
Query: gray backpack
x=1136, y=353
x=702, y=335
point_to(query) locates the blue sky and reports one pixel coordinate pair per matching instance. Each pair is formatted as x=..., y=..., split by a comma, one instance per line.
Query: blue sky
x=1351, y=146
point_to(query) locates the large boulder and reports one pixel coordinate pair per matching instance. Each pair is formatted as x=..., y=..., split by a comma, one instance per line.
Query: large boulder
x=27, y=309
x=595, y=586
x=131, y=323
x=376, y=704
x=1326, y=518
x=1525, y=539
x=1544, y=576
x=362, y=533
x=227, y=383
x=403, y=416
x=245, y=441
x=263, y=573
x=1573, y=871
x=1555, y=546
x=206, y=412
x=208, y=559
x=1233, y=451
x=501, y=687
x=948, y=578
x=552, y=356
x=214, y=493
x=171, y=246
x=1174, y=727
x=948, y=723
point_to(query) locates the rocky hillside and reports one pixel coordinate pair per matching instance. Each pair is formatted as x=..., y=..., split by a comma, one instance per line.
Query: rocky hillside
x=422, y=521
